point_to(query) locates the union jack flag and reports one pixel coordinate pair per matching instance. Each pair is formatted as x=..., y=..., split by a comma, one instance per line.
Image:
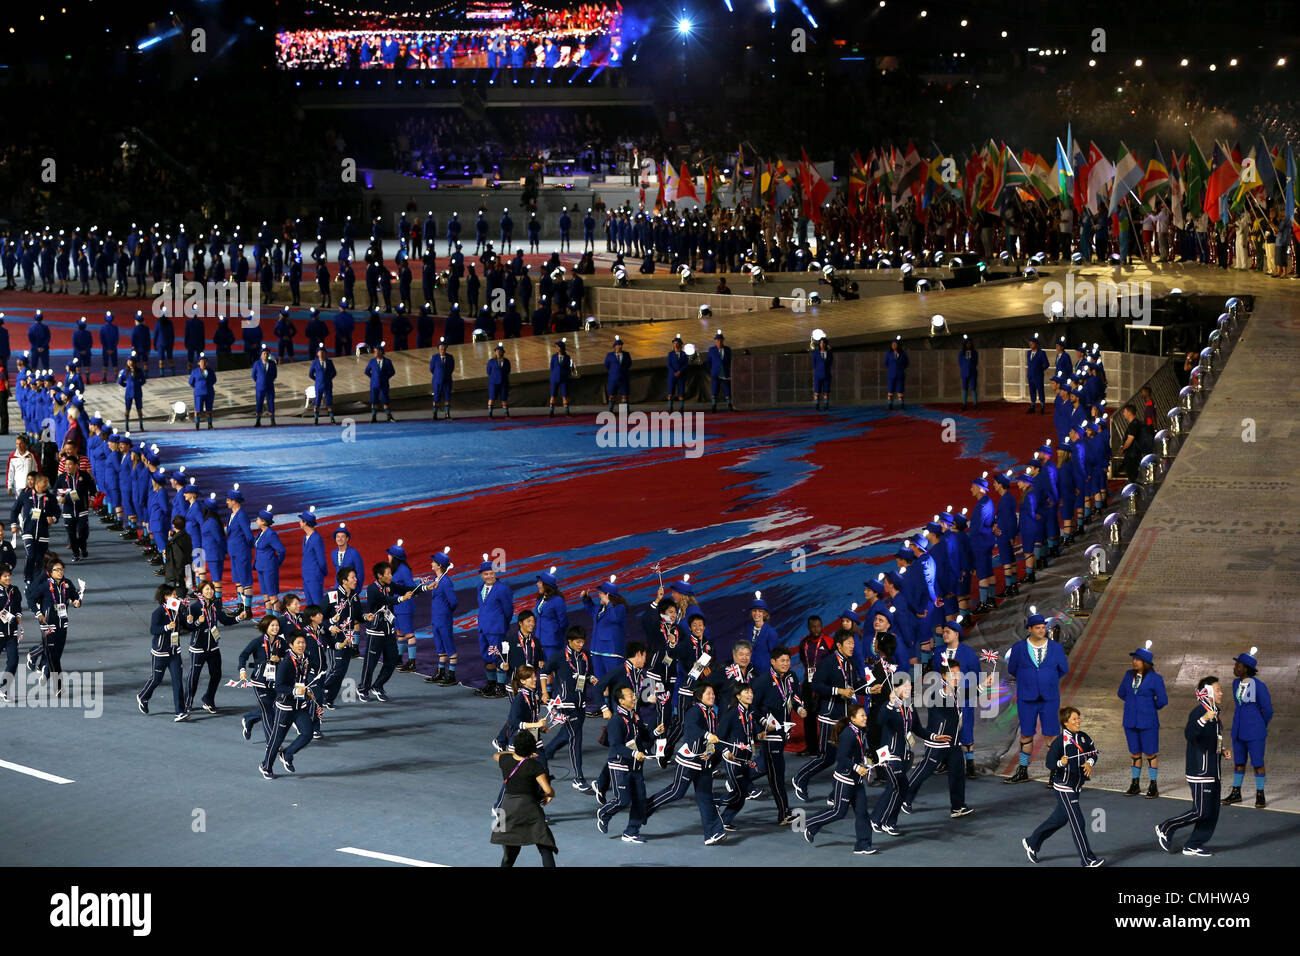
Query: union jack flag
x=988, y=657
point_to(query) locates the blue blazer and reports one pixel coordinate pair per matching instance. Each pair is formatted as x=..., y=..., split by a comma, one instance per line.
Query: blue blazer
x=1141, y=705
x=1041, y=682
x=608, y=627
x=495, y=610
x=1254, y=708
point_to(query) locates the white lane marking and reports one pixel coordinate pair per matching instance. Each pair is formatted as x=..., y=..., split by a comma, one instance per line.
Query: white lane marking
x=41, y=774
x=385, y=856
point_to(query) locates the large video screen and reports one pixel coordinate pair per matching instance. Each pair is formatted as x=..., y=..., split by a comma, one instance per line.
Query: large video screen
x=480, y=34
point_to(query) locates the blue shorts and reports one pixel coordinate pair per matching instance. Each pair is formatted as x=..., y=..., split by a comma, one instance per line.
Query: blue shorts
x=489, y=640
x=1006, y=550
x=498, y=392
x=1034, y=712
x=983, y=561
x=241, y=569
x=442, y=393
x=1241, y=749
x=822, y=386
x=963, y=585
x=442, y=639
x=1030, y=535
x=1143, y=741
x=559, y=390
x=896, y=383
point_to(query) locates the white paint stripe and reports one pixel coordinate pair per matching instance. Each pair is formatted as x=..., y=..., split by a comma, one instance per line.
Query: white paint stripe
x=386, y=856
x=19, y=768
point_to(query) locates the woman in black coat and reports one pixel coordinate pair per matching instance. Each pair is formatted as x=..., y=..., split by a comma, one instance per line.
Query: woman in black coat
x=520, y=821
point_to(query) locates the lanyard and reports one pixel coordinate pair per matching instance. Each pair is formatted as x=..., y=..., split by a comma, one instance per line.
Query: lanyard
x=710, y=721
x=569, y=657
x=780, y=681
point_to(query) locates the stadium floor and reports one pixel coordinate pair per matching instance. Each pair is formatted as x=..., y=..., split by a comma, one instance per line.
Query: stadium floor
x=414, y=777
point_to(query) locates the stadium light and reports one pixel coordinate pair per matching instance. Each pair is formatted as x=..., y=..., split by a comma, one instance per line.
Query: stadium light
x=684, y=26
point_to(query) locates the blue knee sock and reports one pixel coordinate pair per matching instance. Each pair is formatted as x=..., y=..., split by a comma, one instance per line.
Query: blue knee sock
x=1153, y=773
x=1137, y=771
x=1259, y=781
x=410, y=651
x=1038, y=552
x=1237, y=777
x=451, y=667
x=1024, y=759
x=970, y=756
x=1009, y=572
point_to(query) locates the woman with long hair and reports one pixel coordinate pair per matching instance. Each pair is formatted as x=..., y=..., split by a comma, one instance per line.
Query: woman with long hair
x=132, y=379
x=608, y=627
x=552, y=614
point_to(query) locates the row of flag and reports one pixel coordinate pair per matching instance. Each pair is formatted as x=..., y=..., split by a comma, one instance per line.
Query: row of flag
x=1227, y=179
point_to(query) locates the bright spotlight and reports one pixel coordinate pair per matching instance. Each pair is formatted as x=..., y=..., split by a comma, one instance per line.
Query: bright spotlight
x=684, y=26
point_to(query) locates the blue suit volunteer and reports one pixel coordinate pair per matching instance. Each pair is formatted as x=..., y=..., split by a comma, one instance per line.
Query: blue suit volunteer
x=1143, y=692
x=264, y=373
x=1037, y=665
x=203, y=380
x=314, y=568
x=1250, y=719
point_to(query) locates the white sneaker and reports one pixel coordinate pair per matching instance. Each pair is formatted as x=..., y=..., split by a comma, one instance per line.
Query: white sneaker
x=716, y=838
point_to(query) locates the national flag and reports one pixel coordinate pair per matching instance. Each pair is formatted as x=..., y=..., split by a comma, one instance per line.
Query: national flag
x=1100, y=173
x=1156, y=180
x=766, y=184
x=659, y=176
x=783, y=184
x=686, y=186
x=1266, y=163
x=1040, y=175
x=671, y=181
x=1222, y=176
x=991, y=187
x=1128, y=174
x=857, y=183
x=1198, y=174
x=814, y=188
x=711, y=182
x=1064, y=172
x=1177, y=184
x=909, y=175
x=987, y=656
x=1248, y=178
